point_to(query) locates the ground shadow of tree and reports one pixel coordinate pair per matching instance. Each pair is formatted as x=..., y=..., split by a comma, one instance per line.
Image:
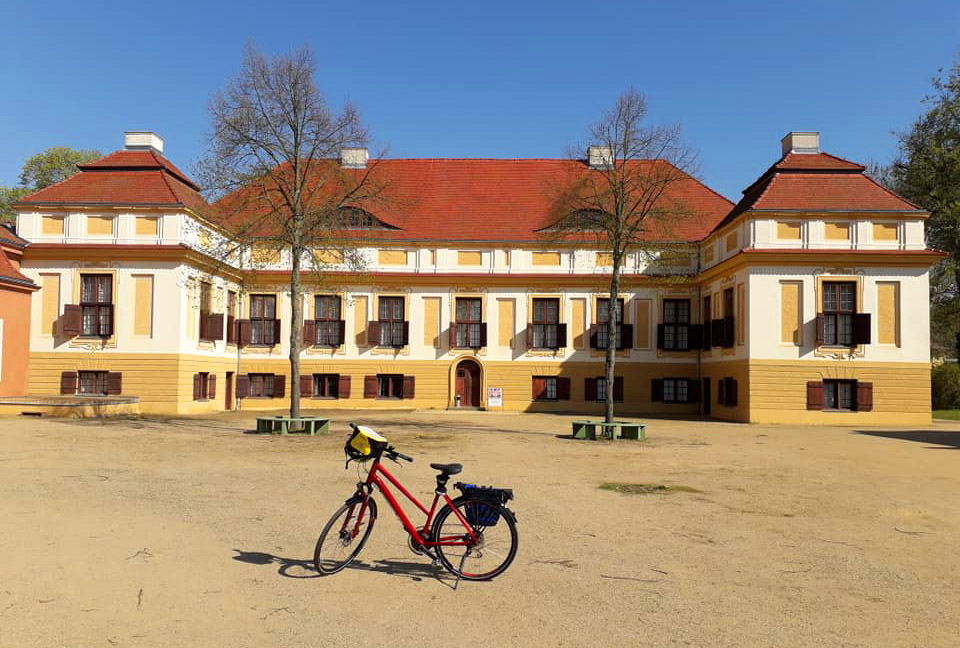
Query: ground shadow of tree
x=939, y=439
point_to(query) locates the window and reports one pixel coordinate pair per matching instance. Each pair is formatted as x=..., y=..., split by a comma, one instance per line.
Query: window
x=727, y=392
x=389, y=385
x=261, y=385
x=263, y=314
x=705, y=316
x=729, y=330
x=676, y=324
x=231, y=317
x=839, y=308
x=326, y=385
x=603, y=329
x=206, y=306
x=676, y=390
x=392, y=322
x=617, y=389
x=840, y=394
x=469, y=322
x=96, y=304
x=202, y=386
x=546, y=320
x=545, y=388
x=356, y=218
x=327, y=315
x=92, y=382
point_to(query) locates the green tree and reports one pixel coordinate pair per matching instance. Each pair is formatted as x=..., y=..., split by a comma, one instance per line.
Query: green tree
x=927, y=172
x=42, y=170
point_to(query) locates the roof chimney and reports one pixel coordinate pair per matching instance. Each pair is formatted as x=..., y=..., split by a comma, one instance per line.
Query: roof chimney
x=142, y=141
x=800, y=142
x=600, y=157
x=354, y=158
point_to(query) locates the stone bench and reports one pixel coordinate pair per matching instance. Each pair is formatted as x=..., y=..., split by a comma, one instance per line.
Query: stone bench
x=311, y=425
x=627, y=430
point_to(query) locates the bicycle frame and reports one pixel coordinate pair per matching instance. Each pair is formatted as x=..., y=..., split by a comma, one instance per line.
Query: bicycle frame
x=374, y=479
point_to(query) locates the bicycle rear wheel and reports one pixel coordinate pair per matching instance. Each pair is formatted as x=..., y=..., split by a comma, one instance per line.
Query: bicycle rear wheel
x=342, y=538
x=496, y=546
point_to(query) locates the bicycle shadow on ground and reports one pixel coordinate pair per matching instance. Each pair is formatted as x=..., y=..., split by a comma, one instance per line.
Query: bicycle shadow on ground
x=293, y=568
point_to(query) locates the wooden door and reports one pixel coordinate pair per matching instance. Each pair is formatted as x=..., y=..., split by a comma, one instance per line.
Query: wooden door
x=461, y=390
x=468, y=383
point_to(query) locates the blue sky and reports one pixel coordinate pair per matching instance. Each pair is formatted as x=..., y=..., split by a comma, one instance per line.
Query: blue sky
x=485, y=79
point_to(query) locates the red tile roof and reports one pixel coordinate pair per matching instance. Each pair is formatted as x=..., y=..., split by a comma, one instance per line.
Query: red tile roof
x=8, y=237
x=499, y=200
x=817, y=182
x=9, y=274
x=124, y=178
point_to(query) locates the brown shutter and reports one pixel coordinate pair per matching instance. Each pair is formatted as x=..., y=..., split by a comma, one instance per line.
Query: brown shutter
x=814, y=395
x=243, y=386
x=114, y=383
x=820, y=334
x=861, y=328
x=279, y=385
x=864, y=396
x=706, y=341
x=68, y=382
x=589, y=389
x=306, y=384
x=618, y=389
x=197, y=378
x=722, y=391
x=342, y=331
x=660, y=336
x=656, y=389
x=309, y=332
x=695, y=338
x=244, y=332
x=529, y=336
x=343, y=390
x=72, y=322
x=561, y=336
x=215, y=326
x=409, y=386
x=693, y=390
x=369, y=386
x=406, y=335
x=625, y=340
x=231, y=329
x=716, y=332
x=373, y=334
x=483, y=334
x=729, y=331
x=732, y=392
x=212, y=386
x=276, y=331
x=538, y=387
x=593, y=336
x=563, y=388
x=203, y=326
x=453, y=335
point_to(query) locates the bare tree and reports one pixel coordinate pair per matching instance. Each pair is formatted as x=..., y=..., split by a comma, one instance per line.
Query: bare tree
x=273, y=165
x=627, y=200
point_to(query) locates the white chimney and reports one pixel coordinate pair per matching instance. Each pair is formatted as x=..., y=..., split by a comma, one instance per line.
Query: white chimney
x=142, y=141
x=800, y=142
x=354, y=158
x=600, y=157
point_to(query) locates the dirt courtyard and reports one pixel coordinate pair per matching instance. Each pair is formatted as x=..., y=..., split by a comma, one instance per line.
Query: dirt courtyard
x=188, y=532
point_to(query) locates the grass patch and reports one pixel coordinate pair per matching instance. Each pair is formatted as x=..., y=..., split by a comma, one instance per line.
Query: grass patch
x=645, y=489
x=950, y=415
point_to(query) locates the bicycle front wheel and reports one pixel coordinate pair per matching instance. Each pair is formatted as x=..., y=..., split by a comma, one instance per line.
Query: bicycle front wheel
x=496, y=532
x=344, y=535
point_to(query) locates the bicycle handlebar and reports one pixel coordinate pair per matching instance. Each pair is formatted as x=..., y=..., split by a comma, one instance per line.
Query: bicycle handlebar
x=390, y=451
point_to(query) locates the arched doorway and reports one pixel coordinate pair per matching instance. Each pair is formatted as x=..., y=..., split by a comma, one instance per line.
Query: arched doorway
x=467, y=383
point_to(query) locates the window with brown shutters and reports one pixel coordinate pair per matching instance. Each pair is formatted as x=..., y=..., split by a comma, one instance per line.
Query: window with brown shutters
x=392, y=327
x=840, y=395
x=231, y=317
x=545, y=388
x=675, y=390
x=601, y=389
x=545, y=330
x=264, y=325
x=262, y=385
x=390, y=386
x=96, y=304
x=600, y=335
x=835, y=324
x=329, y=326
x=92, y=382
x=673, y=334
x=468, y=329
x=325, y=386
x=727, y=392
x=204, y=386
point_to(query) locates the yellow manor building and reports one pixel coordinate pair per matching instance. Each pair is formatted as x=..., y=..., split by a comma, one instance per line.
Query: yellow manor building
x=806, y=302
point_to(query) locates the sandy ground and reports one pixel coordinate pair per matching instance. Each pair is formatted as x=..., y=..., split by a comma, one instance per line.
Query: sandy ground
x=189, y=532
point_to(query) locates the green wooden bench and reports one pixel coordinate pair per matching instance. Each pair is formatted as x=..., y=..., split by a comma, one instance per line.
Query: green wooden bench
x=312, y=425
x=627, y=430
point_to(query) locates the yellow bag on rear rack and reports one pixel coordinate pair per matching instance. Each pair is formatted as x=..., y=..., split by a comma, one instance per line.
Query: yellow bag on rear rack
x=364, y=443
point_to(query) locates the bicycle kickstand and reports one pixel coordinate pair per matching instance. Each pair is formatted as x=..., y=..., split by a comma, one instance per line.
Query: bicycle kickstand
x=460, y=569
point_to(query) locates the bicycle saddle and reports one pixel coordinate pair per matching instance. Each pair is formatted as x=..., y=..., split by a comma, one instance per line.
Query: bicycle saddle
x=447, y=469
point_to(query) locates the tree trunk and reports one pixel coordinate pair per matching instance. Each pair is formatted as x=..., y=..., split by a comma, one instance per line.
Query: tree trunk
x=296, y=332
x=612, y=337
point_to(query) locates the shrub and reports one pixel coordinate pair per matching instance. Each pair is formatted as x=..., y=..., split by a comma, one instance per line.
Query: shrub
x=946, y=386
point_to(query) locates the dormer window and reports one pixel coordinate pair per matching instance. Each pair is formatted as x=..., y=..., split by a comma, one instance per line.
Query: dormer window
x=356, y=218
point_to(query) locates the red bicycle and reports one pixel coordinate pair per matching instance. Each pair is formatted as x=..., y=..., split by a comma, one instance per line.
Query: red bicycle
x=473, y=536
